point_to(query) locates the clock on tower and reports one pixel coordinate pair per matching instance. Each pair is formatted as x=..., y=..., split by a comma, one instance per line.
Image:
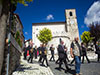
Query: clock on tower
x=72, y=22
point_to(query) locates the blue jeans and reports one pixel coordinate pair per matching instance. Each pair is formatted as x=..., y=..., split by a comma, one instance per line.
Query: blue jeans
x=77, y=64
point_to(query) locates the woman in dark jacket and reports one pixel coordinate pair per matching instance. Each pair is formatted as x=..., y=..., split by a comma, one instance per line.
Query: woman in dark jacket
x=84, y=53
x=97, y=51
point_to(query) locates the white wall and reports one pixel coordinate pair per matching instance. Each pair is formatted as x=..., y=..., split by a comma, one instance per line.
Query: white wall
x=55, y=42
x=57, y=30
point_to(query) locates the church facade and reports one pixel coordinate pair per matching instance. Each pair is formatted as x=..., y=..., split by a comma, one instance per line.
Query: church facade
x=65, y=31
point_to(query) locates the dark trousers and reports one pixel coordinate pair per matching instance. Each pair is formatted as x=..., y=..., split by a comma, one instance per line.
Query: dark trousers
x=98, y=57
x=86, y=59
x=57, y=60
x=31, y=57
x=35, y=55
x=52, y=57
x=45, y=59
x=25, y=55
x=65, y=62
x=40, y=58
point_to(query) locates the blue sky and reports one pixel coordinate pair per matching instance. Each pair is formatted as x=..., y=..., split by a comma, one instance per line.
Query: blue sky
x=54, y=11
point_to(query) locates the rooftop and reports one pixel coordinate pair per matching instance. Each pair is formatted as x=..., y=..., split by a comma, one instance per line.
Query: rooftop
x=44, y=23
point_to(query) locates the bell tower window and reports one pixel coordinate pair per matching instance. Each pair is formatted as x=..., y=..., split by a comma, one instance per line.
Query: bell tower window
x=70, y=14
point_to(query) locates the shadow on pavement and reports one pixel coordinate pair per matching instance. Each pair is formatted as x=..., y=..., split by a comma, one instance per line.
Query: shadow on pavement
x=72, y=72
x=95, y=62
x=42, y=65
x=66, y=71
x=22, y=68
x=71, y=64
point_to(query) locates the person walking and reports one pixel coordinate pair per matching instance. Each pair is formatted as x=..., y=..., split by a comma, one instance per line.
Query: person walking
x=97, y=51
x=40, y=53
x=84, y=53
x=44, y=55
x=25, y=52
x=30, y=52
x=62, y=56
x=52, y=53
x=35, y=52
x=75, y=52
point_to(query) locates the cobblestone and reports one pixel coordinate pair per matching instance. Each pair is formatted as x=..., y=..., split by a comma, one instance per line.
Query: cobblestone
x=34, y=68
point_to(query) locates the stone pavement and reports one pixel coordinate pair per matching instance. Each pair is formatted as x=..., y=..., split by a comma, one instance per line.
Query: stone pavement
x=34, y=68
x=92, y=68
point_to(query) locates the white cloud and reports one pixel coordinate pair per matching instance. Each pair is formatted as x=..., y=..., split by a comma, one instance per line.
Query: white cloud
x=50, y=17
x=93, y=14
x=26, y=33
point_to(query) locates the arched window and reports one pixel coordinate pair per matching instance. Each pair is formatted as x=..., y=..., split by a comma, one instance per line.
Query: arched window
x=70, y=14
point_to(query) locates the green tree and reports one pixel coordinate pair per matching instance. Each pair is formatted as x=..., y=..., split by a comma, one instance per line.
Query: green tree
x=45, y=35
x=17, y=37
x=24, y=2
x=85, y=37
x=5, y=6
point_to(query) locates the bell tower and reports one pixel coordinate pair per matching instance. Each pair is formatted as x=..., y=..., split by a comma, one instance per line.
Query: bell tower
x=71, y=23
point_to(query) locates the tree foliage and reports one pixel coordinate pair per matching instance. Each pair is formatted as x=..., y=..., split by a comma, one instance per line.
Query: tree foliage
x=18, y=38
x=24, y=2
x=95, y=31
x=45, y=35
x=86, y=37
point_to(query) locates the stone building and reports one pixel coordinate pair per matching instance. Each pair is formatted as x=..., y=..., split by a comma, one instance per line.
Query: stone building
x=19, y=27
x=15, y=50
x=67, y=30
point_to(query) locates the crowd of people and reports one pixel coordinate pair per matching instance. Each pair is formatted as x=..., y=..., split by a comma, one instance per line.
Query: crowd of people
x=77, y=51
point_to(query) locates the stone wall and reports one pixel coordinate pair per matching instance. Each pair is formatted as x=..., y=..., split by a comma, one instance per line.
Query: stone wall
x=14, y=61
x=15, y=53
